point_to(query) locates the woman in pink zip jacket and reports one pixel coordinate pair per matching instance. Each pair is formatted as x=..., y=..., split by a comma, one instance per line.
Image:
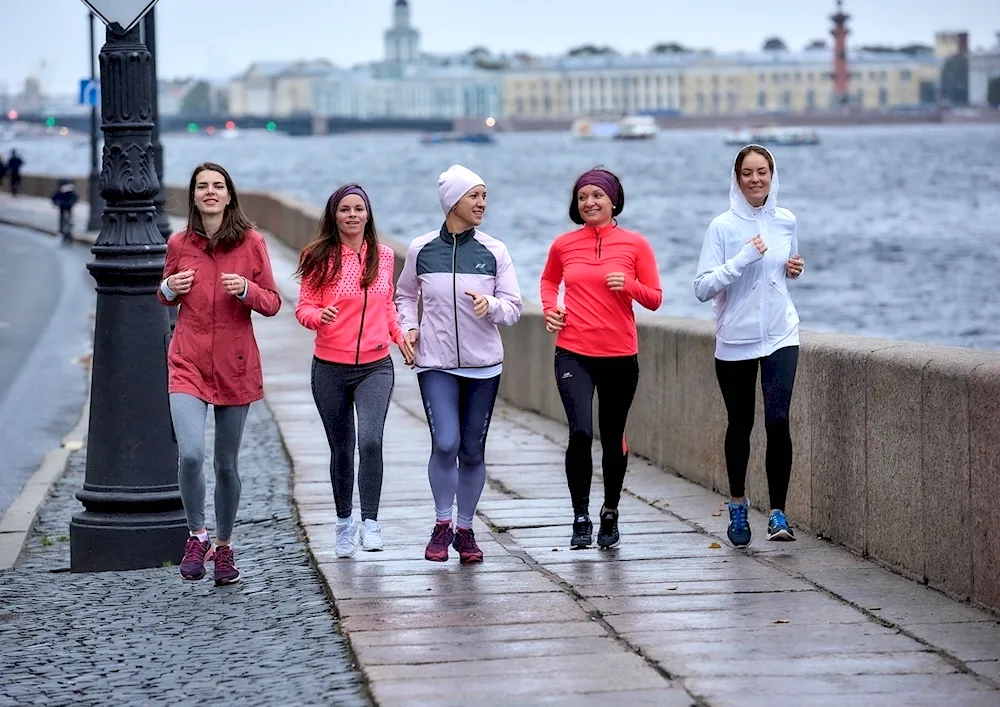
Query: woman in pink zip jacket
x=468, y=288
x=346, y=298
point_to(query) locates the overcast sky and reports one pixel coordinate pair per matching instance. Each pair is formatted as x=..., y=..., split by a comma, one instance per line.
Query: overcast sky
x=49, y=38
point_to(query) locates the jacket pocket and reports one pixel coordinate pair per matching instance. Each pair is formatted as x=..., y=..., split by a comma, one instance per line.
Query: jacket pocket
x=781, y=316
x=741, y=321
x=240, y=355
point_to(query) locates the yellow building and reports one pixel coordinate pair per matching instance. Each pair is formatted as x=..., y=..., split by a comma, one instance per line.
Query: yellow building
x=712, y=85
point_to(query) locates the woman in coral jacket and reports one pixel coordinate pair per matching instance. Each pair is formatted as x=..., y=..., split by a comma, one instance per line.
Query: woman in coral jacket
x=346, y=298
x=219, y=271
x=605, y=268
x=466, y=282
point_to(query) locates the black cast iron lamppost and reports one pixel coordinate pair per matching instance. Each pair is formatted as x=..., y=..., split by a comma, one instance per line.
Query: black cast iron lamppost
x=133, y=516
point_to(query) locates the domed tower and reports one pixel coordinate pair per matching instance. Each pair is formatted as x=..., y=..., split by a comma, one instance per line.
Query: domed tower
x=402, y=41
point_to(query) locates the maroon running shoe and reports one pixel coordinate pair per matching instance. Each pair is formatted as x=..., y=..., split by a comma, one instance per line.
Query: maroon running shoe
x=437, y=548
x=226, y=571
x=196, y=554
x=468, y=550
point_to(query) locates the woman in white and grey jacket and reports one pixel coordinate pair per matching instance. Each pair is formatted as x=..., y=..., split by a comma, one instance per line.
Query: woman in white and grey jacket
x=748, y=253
x=465, y=281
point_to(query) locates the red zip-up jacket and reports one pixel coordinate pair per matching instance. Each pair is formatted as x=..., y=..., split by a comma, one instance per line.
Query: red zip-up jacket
x=599, y=321
x=213, y=353
x=366, y=319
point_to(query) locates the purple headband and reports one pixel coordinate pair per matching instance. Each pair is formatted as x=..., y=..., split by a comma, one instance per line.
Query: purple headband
x=338, y=196
x=603, y=179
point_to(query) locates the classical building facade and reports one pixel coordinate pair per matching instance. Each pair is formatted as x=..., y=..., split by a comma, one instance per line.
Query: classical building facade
x=709, y=84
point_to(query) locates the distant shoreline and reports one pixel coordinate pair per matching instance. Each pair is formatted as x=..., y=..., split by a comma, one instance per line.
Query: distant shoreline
x=732, y=122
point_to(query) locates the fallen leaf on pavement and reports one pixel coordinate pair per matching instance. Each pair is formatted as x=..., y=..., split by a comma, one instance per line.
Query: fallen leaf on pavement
x=781, y=621
x=714, y=546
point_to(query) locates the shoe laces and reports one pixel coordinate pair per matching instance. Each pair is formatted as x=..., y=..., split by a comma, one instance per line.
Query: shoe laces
x=467, y=541
x=224, y=556
x=738, y=515
x=195, y=549
x=778, y=519
x=440, y=534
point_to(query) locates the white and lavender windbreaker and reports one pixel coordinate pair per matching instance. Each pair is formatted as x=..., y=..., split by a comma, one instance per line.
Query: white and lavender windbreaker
x=439, y=268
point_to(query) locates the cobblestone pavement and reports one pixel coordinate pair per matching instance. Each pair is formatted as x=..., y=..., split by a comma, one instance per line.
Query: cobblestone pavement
x=147, y=637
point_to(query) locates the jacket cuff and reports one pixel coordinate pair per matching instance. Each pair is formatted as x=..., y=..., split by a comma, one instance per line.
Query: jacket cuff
x=167, y=293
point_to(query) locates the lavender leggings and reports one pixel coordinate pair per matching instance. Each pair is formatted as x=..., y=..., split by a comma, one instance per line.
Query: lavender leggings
x=458, y=414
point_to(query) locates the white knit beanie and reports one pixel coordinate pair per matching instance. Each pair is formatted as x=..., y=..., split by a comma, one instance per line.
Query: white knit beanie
x=454, y=183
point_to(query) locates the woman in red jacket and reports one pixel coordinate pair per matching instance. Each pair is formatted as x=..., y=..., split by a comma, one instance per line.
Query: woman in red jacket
x=346, y=298
x=218, y=269
x=605, y=268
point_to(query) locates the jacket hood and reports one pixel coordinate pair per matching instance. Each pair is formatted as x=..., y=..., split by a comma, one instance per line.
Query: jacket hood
x=738, y=203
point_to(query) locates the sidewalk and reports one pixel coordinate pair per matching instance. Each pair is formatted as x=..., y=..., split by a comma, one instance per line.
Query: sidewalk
x=674, y=616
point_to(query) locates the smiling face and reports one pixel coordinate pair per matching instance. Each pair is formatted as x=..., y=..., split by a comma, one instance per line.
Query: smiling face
x=471, y=208
x=755, y=178
x=595, y=205
x=211, y=195
x=352, y=215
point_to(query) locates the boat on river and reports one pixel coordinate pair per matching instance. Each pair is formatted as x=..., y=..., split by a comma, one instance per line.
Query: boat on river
x=786, y=137
x=631, y=127
x=473, y=138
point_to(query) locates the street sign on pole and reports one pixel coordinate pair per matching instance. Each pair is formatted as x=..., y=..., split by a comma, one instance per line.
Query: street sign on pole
x=90, y=92
x=125, y=13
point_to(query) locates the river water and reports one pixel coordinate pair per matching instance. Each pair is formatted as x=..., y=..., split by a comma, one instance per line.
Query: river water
x=899, y=226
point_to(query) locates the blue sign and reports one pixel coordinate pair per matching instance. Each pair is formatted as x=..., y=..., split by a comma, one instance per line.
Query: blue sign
x=90, y=92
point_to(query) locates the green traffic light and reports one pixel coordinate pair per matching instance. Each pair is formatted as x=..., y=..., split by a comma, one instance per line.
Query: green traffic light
x=192, y=127
x=50, y=121
x=271, y=126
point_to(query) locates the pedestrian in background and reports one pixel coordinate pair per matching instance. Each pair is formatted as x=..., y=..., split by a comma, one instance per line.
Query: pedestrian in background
x=218, y=271
x=466, y=283
x=14, y=165
x=605, y=269
x=346, y=298
x=748, y=253
x=65, y=198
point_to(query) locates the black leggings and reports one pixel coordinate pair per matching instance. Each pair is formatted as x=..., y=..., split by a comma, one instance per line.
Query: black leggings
x=615, y=379
x=737, y=380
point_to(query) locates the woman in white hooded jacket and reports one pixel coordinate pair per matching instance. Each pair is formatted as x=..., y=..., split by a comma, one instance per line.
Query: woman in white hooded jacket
x=748, y=253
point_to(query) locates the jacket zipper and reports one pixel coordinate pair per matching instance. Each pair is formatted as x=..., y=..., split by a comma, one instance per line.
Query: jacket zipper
x=364, y=310
x=454, y=295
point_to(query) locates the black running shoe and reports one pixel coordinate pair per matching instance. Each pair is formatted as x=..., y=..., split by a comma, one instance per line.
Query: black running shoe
x=583, y=532
x=607, y=535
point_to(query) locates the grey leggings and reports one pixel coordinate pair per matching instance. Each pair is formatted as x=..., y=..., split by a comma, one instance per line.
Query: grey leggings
x=339, y=389
x=188, y=414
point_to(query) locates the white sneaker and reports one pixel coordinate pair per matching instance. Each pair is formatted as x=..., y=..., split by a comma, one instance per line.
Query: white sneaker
x=371, y=535
x=347, y=543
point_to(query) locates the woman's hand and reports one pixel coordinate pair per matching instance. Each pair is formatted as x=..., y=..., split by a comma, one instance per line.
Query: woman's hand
x=328, y=315
x=480, y=305
x=555, y=320
x=235, y=285
x=794, y=266
x=408, y=347
x=180, y=282
x=616, y=281
x=759, y=244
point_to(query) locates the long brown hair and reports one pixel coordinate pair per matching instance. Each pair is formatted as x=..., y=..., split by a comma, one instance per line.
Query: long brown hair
x=235, y=223
x=315, y=267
